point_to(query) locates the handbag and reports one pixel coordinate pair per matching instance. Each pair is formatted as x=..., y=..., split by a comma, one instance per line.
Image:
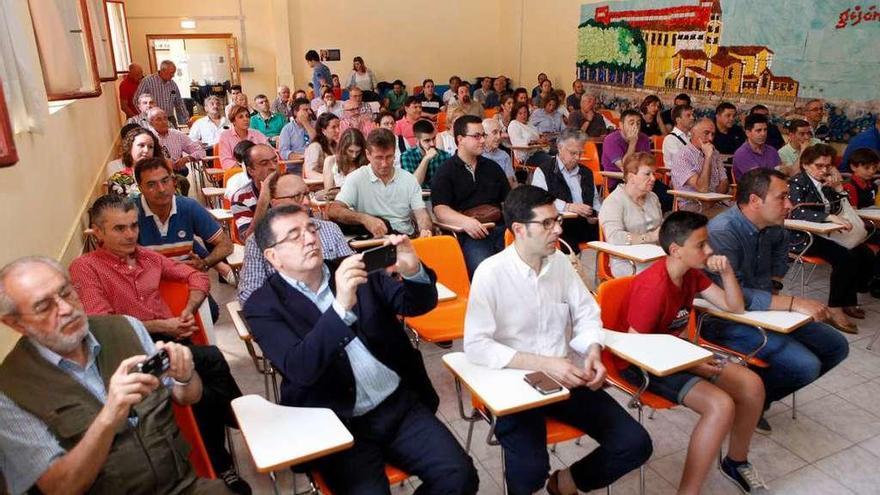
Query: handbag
x=484, y=213
x=854, y=236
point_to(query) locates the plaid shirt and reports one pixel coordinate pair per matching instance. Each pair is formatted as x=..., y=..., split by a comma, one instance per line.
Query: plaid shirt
x=107, y=284
x=175, y=143
x=244, y=204
x=166, y=94
x=410, y=159
x=687, y=163
x=255, y=269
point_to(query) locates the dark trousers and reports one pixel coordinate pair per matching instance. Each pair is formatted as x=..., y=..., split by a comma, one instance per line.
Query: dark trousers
x=851, y=270
x=624, y=444
x=213, y=412
x=578, y=230
x=796, y=359
x=476, y=250
x=403, y=432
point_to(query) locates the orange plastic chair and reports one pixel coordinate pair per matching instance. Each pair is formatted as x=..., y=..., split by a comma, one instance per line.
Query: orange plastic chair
x=441, y=121
x=590, y=159
x=446, y=321
x=612, y=116
x=603, y=262
x=488, y=113
x=198, y=456
x=227, y=174
x=176, y=294
x=395, y=476
x=657, y=142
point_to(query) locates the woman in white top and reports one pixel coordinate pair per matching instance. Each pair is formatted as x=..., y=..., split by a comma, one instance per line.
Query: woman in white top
x=631, y=214
x=522, y=133
x=351, y=154
x=361, y=76
x=324, y=145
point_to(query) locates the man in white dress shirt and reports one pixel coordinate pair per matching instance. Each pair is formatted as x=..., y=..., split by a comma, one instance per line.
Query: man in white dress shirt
x=522, y=302
x=683, y=118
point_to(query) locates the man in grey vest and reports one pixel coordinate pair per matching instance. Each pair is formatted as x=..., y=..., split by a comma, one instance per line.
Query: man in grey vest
x=76, y=416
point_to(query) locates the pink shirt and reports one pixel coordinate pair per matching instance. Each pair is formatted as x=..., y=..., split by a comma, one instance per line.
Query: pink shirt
x=404, y=128
x=229, y=138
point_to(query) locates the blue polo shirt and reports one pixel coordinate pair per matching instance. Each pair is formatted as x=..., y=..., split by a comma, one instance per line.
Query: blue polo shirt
x=869, y=138
x=174, y=239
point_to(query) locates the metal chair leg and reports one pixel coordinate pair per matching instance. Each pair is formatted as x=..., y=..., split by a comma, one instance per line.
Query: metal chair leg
x=794, y=405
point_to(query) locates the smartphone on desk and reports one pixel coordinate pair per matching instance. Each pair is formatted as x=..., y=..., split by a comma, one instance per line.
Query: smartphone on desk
x=542, y=382
x=380, y=258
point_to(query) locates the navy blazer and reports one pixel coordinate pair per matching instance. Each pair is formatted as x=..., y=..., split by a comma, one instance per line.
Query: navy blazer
x=307, y=347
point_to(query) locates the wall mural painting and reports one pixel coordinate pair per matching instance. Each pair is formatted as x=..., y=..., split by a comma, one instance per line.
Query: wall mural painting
x=740, y=51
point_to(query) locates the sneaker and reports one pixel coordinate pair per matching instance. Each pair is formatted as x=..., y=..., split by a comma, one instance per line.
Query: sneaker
x=234, y=482
x=763, y=426
x=445, y=344
x=744, y=475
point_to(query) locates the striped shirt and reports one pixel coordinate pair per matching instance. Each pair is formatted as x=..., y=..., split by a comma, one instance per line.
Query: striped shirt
x=281, y=107
x=244, y=204
x=107, y=284
x=166, y=94
x=689, y=162
x=175, y=144
x=255, y=269
x=27, y=446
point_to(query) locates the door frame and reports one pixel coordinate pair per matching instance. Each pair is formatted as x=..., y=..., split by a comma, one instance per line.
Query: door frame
x=234, y=69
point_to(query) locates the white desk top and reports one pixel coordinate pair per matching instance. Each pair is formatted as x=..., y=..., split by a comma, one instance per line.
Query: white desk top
x=279, y=436
x=453, y=228
x=611, y=174
x=503, y=391
x=236, y=259
x=658, y=354
x=871, y=213
x=241, y=327
x=776, y=321
x=812, y=227
x=220, y=214
x=640, y=253
x=314, y=182
x=444, y=293
x=698, y=196
x=213, y=191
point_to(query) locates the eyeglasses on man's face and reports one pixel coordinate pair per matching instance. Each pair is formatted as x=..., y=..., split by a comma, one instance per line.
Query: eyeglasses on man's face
x=295, y=236
x=547, y=223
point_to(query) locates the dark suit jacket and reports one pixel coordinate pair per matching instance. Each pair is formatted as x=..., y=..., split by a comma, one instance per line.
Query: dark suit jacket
x=802, y=190
x=307, y=346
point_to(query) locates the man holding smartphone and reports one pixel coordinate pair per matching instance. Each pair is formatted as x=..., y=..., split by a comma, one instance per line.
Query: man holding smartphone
x=77, y=416
x=522, y=302
x=332, y=331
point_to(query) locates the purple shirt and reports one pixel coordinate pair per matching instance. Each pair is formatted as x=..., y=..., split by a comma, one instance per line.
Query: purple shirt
x=614, y=146
x=689, y=162
x=745, y=158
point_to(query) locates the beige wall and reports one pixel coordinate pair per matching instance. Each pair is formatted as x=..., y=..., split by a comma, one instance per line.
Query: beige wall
x=217, y=16
x=44, y=196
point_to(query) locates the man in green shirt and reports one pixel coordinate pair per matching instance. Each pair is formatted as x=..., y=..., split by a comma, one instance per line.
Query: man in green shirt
x=423, y=159
x=270, y=124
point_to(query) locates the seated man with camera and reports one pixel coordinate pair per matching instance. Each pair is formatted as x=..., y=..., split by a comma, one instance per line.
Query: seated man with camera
x=332, y=331
x=521, y=304
x=82, y=408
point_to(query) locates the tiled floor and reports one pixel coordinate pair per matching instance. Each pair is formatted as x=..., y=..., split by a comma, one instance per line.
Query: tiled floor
x=833, y=447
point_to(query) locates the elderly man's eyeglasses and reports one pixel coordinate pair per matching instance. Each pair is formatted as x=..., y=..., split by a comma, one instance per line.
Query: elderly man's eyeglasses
x=547, y=223
x=45, y=307
x=297, y=197
x=296, y=235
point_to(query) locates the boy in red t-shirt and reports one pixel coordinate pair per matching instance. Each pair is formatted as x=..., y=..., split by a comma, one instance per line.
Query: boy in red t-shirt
x=861, y=188
x=729, y=399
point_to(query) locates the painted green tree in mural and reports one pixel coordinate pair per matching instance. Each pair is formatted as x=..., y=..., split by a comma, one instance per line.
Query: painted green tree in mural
x=610, y=53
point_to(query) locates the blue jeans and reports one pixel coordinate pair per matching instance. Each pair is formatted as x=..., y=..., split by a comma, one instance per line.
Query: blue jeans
x=624, y=444
x=796, y=359
x=476, y=250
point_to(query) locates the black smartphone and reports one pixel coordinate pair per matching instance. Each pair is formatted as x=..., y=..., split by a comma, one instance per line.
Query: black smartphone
x=542, y=382
x=380, y=258
x=155, y=365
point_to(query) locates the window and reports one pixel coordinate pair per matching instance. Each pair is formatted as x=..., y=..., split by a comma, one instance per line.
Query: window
x=67, y=55
x=8, y=155
x=101, y=40
x=118, y=26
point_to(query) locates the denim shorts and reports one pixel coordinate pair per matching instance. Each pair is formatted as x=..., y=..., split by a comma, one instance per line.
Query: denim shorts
x=674, y=387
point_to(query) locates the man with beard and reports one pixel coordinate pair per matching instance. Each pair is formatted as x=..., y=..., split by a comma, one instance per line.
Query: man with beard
x=76, y=414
